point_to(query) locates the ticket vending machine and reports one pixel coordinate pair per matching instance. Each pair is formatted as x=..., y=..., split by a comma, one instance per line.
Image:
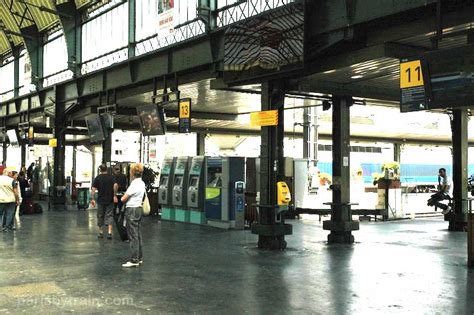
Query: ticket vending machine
x=222, y=175
x=238, y=200
x=196, y=190
x=180, y=189
x=165, y=189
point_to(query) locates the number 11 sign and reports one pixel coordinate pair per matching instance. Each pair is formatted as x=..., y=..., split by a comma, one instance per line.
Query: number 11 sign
x=411, y=74
x=414, y=85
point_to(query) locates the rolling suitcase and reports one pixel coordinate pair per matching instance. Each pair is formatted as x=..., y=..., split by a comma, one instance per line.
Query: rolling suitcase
x=119, y=218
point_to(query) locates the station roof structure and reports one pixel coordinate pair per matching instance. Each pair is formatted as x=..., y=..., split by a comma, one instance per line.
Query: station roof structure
x=19, y=17
x=352, y=50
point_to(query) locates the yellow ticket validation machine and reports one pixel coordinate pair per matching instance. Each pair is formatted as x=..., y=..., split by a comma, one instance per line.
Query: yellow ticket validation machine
x=284, y=195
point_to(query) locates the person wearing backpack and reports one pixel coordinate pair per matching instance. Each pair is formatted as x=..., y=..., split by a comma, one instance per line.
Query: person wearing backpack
x=133, y=200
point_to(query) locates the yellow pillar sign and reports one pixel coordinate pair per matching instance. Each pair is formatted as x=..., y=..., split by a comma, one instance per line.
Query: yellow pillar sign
x=264, y=118
x=53, y=143
x=411, y=74
x=185, y=109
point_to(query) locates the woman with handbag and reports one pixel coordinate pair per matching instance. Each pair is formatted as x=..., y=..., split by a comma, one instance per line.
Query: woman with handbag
x=134, y=198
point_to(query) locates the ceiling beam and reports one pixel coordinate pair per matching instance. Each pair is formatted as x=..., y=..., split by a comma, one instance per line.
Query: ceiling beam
x=352, y=89
x=423, y=25
x=328, y=136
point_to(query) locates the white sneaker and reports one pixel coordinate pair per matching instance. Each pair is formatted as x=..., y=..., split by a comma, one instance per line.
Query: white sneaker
x=448, y=210
x=130, y=264
x=140, y=262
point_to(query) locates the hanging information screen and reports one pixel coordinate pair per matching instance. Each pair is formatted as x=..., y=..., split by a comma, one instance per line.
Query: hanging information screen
x=414, y=85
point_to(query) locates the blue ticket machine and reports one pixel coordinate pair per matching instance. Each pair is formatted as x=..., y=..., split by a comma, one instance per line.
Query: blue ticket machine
x=196, y=190
x=222, y=175
x=180, y=189
x=165, y=189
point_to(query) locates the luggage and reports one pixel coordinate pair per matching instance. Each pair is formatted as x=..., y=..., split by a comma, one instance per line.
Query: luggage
x=119, y=218
x=37, y=209
x=26, y=207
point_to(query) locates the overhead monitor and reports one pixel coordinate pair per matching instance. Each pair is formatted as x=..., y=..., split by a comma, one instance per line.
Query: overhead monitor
x=152, y=120
x=95, y=128
x=13, y=137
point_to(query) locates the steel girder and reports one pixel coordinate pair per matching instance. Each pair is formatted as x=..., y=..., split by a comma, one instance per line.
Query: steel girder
x=196, y=60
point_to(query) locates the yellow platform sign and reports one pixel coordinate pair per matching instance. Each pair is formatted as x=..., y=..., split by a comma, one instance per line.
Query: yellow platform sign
x=411, y=74
x=53, y=143
x=264, y=118
x=184, y=109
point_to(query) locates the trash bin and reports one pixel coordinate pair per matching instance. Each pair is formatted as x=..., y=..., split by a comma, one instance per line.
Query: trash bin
x=59, y=195
x=82, y=198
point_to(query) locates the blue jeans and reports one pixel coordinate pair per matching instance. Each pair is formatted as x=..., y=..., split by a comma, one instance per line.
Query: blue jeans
x=7, y=213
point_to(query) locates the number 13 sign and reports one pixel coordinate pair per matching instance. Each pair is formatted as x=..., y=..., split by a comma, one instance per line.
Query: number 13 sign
x=185, y=115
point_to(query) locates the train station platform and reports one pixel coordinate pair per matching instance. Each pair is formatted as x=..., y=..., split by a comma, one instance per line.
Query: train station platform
x=55, y=264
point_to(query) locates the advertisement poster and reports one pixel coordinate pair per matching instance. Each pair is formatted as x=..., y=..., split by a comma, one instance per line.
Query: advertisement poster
x=166, y=17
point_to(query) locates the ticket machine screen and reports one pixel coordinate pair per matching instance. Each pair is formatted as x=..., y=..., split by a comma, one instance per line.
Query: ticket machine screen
x=164, y=181
x=193, y=182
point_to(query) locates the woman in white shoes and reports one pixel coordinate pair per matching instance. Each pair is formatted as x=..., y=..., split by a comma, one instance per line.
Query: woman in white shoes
x=133, y=200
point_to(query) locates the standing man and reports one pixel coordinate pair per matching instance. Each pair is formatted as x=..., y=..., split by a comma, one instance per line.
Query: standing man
x=9, y=199
x=104, y=184
x=120, y=186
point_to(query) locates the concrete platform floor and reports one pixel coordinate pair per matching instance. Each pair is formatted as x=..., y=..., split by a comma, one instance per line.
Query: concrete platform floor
x=55, y=264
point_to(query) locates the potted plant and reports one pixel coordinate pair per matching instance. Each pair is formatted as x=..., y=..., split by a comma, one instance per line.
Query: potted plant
x=390, y=176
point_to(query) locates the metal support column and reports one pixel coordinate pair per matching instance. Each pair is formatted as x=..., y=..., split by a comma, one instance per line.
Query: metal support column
x=4, y=158
x=307, y=133
x=271, y=232
x=310, y=132
x=59, y=154
x=341, y=224
x=107, y=150
x=201, y=144
x=458, y=217
x=23, y=155
x=70, y=18
x=207, y=13
x=74, y=162
x=397, y=152
x=34, y=45
x=131, y=28
x=16, y=72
